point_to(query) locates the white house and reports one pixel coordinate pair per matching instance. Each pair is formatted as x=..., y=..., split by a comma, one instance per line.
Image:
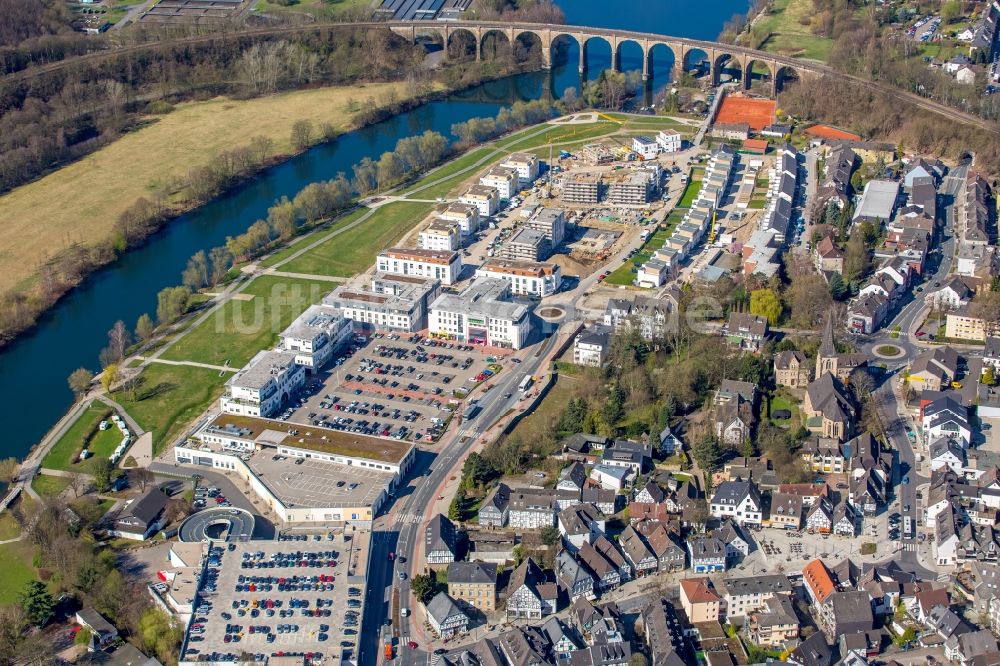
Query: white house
x=591, y=345
x=445, y=616
x=443, y=265
x=610, y=477
x=526, y=165
x=645, y=147
x=485, y=199
x=947, y=453
x=526, y=278
x=315, y=334
x=669, y=140
x=440, y=235
x=739, y=500
x=965, y=74
x=505, y=181
x=264, y=384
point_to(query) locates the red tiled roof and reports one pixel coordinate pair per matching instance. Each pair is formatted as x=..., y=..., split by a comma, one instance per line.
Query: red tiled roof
x=819, y=580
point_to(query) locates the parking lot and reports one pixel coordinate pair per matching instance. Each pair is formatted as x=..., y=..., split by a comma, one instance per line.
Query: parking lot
x=316, y=483
x=271, y=597
x=400, y=386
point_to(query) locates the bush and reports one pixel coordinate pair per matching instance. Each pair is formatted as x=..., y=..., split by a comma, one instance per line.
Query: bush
x=160, y=107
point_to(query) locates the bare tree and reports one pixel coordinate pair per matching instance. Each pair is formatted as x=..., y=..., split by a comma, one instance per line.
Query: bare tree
x=142, y=477
x=119, y=340
x=77, y=483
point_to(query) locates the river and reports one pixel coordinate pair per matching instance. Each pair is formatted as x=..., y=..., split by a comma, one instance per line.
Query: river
x=34, y=369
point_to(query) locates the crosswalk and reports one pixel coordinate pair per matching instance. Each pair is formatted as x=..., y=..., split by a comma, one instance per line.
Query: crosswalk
x=908, y=545
x=408, y=518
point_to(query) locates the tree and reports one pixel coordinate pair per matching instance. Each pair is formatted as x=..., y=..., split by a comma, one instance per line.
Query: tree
x=707, y=452
x=141, y=477
x=109, y=377
x=765, y=303
x=144, y=328
x=302, y=134
x=119, y=340
x=222, y=260
x=989, y=377
x=950, y=11
x=77, y=483
x=424, y=587
x=857, y=259
x=8, y=469
x=79, y=381
x=171, y=303
x=550, y=536
x=838, y=288
x=36, y=602
x=102, y=470
x=195, y=275
x=160, y=634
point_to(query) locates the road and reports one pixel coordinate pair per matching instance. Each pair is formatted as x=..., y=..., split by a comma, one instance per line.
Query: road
x=400, y=529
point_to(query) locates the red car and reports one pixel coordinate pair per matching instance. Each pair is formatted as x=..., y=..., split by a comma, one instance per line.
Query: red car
x=412, y=645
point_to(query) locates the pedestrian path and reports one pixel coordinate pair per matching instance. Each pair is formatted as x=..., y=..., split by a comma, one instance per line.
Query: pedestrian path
x=305, y=276
x=194, y=364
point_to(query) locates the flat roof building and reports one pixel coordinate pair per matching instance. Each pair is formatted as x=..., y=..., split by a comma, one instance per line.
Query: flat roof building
x=526, y=165
x=551, y=222
x=440, y=235
x=264, y=384
x=481, y=314
x=467, y=216
x=505, y=181
x=526, y=278
x=582, y=188
x=878, y=202
x=630, y=188
x=315, y=335
x=443, y=265
x=395, y=302
x=526, y=245
x=485, y=199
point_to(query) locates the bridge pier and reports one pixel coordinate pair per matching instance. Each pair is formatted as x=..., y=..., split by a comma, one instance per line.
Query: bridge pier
x=583, y=60
x=645, y=65
x=547, y=57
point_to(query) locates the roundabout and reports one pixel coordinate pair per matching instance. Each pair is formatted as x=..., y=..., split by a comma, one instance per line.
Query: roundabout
x=888, y=351
x=551, y=313
x=228, y=524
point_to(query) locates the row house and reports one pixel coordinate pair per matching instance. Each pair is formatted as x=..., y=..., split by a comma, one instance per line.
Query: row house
x=529, y=595
x=638, y=552
x=670, y=555
x=575, y=578
x=532, y=509
x=740, y=500
x=707, y=554
x=742, y=596
x=495, y=509
x=580, y=524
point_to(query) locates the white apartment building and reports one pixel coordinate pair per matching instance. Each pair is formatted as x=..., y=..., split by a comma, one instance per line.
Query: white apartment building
x=505, y=181
x=443, y=265
x=551, y=222
x=315, y=334
x=440, y=235
x=526, y=165
x=669, y=141
x=466, y=215
x=485, y=199
x=591, y=345
x=481, y=314
x=262, y=386
x=526, y=278
x=645, y=147
x=395, y=302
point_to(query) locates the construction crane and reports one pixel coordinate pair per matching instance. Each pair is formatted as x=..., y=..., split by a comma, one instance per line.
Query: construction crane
x=712, y=231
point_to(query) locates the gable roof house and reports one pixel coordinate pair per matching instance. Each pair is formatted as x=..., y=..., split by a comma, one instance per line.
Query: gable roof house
x=445, y=616
x=846, y=612
x=707, y=554
x=740, y=500
x=670, y=556
x=818, y=582
x=580, y=524
x=745, y=331
x=144, y=516
x=827, y=409
x=532, y=509
x=791, y=369
x=574, y=577
x=820, y=517
x=103, y=632
x=933, y=369
x=650, y=494
x=774, y=623
x=529, y=594
x=737, y=542
x=828, y=257
x=638, y=552
x=625, y=453
x=786, y=511
x=473, y=584
x=813, y=651
x=494, y=510
x=605, y=572
x=440, y=540
x=700, y=602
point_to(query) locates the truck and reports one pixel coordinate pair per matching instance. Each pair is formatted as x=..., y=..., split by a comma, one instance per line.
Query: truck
x=388, y=649
x=525, y=384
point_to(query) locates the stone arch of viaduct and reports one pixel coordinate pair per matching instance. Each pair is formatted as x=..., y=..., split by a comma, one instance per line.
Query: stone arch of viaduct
x=719, y=56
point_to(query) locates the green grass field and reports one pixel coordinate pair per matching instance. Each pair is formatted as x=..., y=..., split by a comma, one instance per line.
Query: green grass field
x=449, y=171
x=240, y=328
x=169, y=398
x=9, y=527
x=531, y=427
x=353, y=251
x=16, y=571
x=623, y=275
x=49, y=486
x=782, y=401
x=788, y=36
x=690, y=192
x=558, y=133
x=300, y=242
x=61, y=455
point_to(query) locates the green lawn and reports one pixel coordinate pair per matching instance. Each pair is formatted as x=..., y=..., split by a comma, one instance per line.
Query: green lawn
x=354, y=251
x=240, y=328
x=690, y=192
x=169, y=398
x=451, y=172
x=291, y=249
x=782, y=401
x=9, y=527
x=16, y=571
x=757, y=204
x=556, y=134
x=787, y=36
x=623, y=275
x=69, y=445
x=49, y=486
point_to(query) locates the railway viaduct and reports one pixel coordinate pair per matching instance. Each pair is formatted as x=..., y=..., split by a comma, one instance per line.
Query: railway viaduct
x=719, y=56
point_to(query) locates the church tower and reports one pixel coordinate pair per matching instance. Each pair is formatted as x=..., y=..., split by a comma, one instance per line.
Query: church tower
x=826, y=357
